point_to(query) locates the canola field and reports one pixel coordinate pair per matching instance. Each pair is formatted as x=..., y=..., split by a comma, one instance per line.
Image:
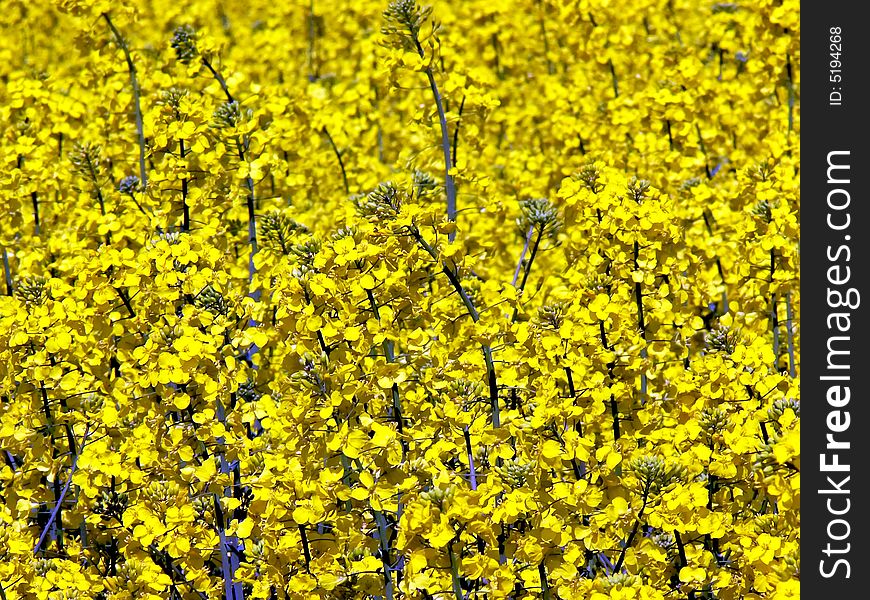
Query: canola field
x=492, y=299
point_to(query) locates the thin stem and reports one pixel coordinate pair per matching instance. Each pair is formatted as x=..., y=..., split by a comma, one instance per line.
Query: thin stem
x=545, y=585
x=306, y=550
x=454, y=573
x=641, y=323
x=528, y=268
x=613, y=78
x=502, y=551
x=219, y=78
x=390, y=355
x=608, y=566
x=252, y=218
x=454, y=279
x=631, y=535
x=475, y=316
x=579, y=469
x=57, y=504
x=93, y=171
x=708, y=224
x=232, y=589
x=185, y=210
x=791, y=93
x=472, y=473
x=614, y=412
x=252, y=221
x=531, y=259
x=570, y=375
x=493, y=385
x=614, y=406
x=139, y=206
x=134, y=82
x=681, y=550
x=340, y=161
x=385, y=553
x=226, y=566
x=456, y=131
x=249, y=182
x=449, y=184
x=345, y=466
x=7, y=273
x=523, y=255
x=774, y=317
x=126, y=302
x=34, y=199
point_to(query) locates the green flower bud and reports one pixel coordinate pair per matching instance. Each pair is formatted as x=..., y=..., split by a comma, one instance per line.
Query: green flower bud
x=381, y=204
x=31, y=289
x=403, y=21
x=184, y=43
x=541, y=214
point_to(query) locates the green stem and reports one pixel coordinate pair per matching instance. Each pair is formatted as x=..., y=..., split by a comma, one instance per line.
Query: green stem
x=579, y=469
x=472, y=472
x=226, y=566
x=385, y=553
x=66, y=487
x=454, y=572
x=7, y=273
x=545, y=585
x=614, y=407
x=523, y=255
x=708, y=223
x=389, y=353
x=631, y=535
x=345, y=465
x=185, y=210
x=456, y=130
x=531, y=259
x=34, y=199
x=528, y=269
x=492, y=379
x=306, y=550
x=95, y=179
x=340, y=161
x=252, y=218
x=641, y=323
x=614, y=412
x=219, y=78
x=791, y=93
x=449, y=183
x=137, y=104
x=249, y=182
x=774, y=317
x=139, y=206
x=613, y=79
x=681, y=550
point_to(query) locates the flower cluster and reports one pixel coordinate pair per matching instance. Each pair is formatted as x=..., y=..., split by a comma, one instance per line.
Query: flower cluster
x=351, y=300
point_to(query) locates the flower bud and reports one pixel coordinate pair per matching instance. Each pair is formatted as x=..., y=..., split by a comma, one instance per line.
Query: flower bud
x=184, y=43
